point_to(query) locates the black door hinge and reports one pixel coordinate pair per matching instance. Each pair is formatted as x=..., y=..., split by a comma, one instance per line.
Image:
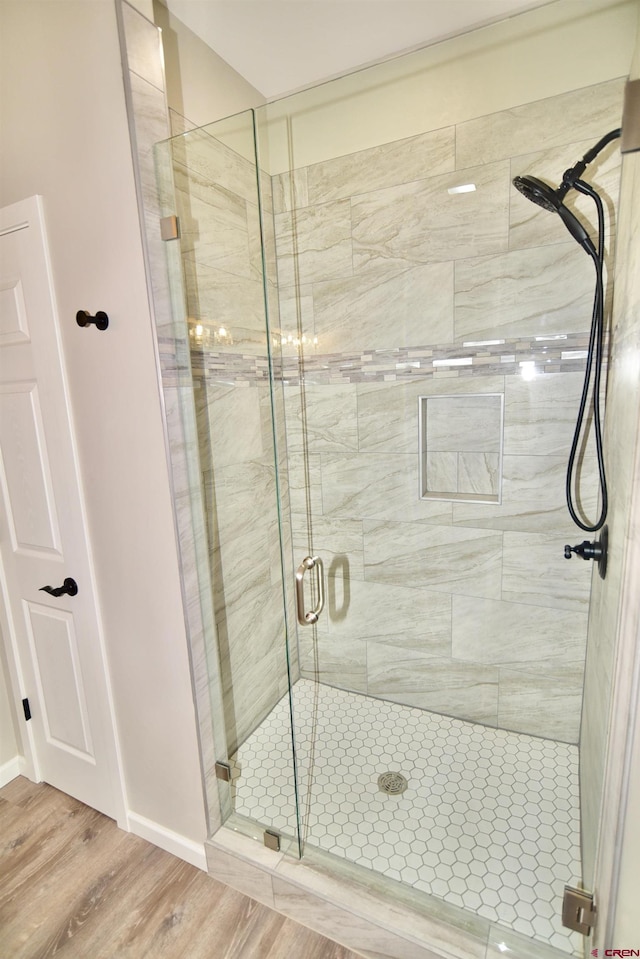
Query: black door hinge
x=27, y=709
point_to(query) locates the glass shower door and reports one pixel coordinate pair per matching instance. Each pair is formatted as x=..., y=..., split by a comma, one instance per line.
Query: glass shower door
x=428, y=399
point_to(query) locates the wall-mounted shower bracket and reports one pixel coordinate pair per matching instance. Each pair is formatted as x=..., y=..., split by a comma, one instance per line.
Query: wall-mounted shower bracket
x=596, y=550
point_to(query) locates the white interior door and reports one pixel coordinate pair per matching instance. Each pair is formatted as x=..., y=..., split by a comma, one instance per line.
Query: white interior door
x=55, y=643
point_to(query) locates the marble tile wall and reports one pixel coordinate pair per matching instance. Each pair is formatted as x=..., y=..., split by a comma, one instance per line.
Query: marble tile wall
x=403, y=290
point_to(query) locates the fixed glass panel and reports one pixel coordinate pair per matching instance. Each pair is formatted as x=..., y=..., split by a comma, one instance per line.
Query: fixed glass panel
x=211, y=184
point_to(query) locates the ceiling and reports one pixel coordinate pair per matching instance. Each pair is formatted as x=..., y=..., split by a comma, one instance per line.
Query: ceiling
x=283, y=45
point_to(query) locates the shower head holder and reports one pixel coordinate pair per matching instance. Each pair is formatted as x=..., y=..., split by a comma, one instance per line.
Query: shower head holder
x=552, y=198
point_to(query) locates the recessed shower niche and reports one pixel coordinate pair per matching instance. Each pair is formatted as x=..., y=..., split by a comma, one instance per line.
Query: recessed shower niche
x=461, y=440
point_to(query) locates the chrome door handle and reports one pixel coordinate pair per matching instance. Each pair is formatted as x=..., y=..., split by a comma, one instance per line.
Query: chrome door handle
x=309, y=562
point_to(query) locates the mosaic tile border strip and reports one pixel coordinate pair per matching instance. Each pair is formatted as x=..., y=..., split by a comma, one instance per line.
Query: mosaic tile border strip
x=564, y=353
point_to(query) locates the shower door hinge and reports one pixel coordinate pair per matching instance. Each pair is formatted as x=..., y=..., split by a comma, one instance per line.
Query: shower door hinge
x=27, y=709
x=578, y=910
x=169, y=227
x=223, y=771
x=630, y=139
x=272, y=840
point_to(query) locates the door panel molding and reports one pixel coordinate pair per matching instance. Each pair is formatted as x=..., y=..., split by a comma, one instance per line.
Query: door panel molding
x=55, y=646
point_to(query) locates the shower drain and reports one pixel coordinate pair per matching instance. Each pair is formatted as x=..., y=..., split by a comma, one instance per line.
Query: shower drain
x=392, y=783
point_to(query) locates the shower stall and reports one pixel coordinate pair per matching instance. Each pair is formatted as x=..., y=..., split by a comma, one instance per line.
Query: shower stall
x=386, y=352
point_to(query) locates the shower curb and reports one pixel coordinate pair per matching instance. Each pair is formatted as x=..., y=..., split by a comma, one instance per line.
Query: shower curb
x=358, y=917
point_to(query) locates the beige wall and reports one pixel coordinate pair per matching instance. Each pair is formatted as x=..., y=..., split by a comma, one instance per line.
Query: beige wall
x=200, y=86
x=9, y=748
x=65, y=136
x=548, y=51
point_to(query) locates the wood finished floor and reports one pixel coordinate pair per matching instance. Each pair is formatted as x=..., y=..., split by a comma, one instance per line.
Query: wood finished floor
x=73, y=885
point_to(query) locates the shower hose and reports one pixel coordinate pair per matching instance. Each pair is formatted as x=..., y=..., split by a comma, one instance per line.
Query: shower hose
x=593, y=371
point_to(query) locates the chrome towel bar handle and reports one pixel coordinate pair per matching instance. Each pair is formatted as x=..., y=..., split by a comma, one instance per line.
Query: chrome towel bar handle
x=311, y=617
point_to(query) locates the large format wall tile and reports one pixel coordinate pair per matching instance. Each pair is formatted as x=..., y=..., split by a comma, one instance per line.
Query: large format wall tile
x=464, y=423
x=235, y=422
x=388, y=412
x=144, y=52
x=545, y=703
x=229, y=308
x=540, y=414
x=421, y=222
x=245, y=495
x=338, y=542
x=536, y=572
x=314, y=244
x=445, y=559
x=290, y=191
x=533, y=498
x=321, y=418
x=394, y=615
x=305, y=486
x=238, y=582
x=295, y=317
x=581, y=114
x=383, y=485
x=416, y=679
x=209, y=160
x=441, y=474
x=511, y=634
x=385, y=309
x=329, y=660
x=478, y=474
x=214, y=230
x=400, y=161
x=520, y=294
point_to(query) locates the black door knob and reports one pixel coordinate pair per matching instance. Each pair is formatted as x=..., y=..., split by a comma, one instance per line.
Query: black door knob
x=69, y=587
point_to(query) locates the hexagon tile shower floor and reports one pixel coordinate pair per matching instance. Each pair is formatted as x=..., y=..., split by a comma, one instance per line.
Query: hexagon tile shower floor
x=489, y=820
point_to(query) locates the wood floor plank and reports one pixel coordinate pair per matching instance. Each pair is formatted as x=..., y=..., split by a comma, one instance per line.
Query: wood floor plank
x=34, y=838
x=150, y=915
x=33, y=908
x=85, y=926
x=74, y=886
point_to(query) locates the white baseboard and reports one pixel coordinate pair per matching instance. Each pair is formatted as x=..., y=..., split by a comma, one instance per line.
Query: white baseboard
x=15, y=767
x=168, y=840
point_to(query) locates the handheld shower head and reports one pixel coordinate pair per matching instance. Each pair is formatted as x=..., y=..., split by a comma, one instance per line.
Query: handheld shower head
x=549, y=199
x=538, y=192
